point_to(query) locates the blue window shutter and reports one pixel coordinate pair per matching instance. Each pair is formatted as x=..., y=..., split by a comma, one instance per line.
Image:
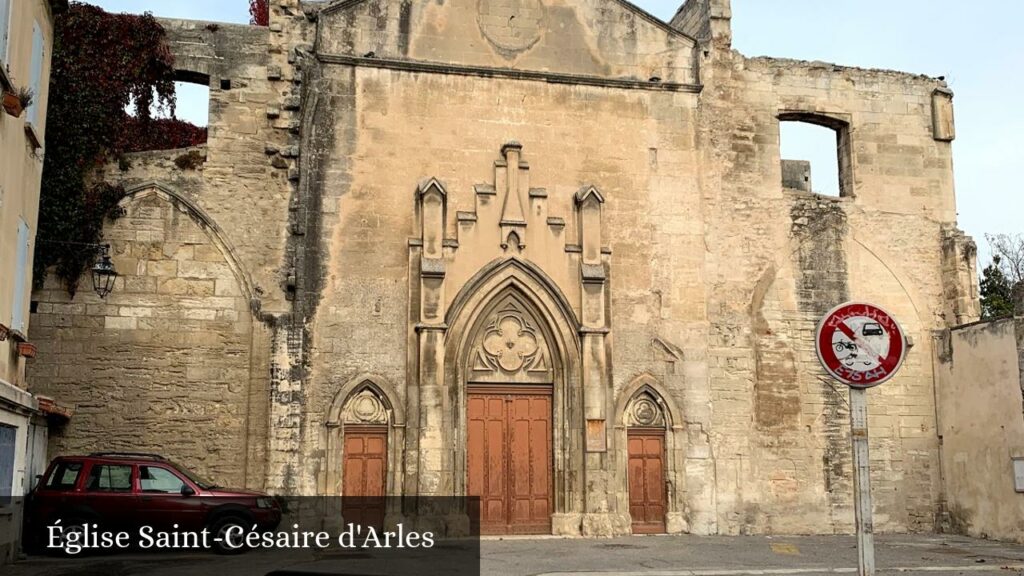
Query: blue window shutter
x=21, y=278
x=5, y=29
x=37, y=74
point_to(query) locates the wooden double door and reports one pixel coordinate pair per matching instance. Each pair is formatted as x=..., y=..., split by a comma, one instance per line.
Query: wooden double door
x=365, y=469
x=509, y=458
x=648, y=499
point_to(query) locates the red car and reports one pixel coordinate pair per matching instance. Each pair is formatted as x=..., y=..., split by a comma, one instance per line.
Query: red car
x=120, y=491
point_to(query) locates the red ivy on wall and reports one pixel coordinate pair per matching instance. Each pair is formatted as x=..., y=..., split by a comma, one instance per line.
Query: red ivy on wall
x=139, y=135
x=101, y=62
x=259, y=12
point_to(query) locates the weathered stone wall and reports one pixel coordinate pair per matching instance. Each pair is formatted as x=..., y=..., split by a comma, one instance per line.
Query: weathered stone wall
x=982, y=427
x=796, y=175
x=593, y=38
x=806, y=252
x=368, y=212
x=244, y=181
x=176, y=360
x=705, y=19
x=960, y=275
x=799, y=255
x=163, y=364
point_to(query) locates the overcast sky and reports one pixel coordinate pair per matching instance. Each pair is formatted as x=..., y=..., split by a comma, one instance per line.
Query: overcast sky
x=975, y=45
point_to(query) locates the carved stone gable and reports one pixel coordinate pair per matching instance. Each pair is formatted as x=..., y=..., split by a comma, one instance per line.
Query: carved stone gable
x=510, y=219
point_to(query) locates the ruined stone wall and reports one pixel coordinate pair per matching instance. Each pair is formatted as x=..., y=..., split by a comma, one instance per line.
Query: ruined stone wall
x=694, y=18
x=778, y=260
x=244, y=181
x=982, y=427
x=162, y=364
x=960, y=277
x=705, y=20
x=176, y=360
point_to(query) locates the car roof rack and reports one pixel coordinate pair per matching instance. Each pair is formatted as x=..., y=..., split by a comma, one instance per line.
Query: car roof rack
x=127, y=455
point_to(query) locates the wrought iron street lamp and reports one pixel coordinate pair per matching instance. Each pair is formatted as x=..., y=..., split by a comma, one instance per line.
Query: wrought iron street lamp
x=103, y=273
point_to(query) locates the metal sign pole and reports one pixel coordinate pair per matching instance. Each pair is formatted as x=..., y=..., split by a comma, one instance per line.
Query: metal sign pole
x=862, y=346
x=862, y=483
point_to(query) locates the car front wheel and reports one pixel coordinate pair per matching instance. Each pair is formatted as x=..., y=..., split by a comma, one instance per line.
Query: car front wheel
x=228, y=533
x=72, y=534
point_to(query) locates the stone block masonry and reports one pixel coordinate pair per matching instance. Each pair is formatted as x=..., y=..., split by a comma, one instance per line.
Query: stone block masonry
x=415, y=217
x=166, y=357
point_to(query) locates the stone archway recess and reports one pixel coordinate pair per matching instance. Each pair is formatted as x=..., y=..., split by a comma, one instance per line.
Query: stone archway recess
x=254, y=468
x=365, y=399
x=167, y=193
x=670, y=419
x=481, y=298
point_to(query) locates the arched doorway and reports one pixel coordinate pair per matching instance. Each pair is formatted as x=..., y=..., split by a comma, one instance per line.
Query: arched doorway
x=509, y=420
x=364, y=441
x=646, y=468
x=364, y=459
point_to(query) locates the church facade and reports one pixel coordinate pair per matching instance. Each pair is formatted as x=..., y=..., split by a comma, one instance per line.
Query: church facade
x=543, y=252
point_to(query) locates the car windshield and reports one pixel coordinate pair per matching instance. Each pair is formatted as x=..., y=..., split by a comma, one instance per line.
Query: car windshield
x=195, y=478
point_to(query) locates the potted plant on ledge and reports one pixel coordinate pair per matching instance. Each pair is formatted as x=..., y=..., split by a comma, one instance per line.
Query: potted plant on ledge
x=15, y=102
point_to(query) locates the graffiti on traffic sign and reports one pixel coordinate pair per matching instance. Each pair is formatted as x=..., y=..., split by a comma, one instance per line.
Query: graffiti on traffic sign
x=859, y=344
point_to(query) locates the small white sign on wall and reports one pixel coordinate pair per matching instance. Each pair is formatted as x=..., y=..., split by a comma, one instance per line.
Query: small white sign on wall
x=1018, y=474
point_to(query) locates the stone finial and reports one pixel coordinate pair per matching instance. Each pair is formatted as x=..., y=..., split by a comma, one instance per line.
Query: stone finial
x=512, y=208
x=587, y=192
x=511, y=145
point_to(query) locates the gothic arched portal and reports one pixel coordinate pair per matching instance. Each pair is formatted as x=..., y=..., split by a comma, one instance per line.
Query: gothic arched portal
x=508, y=381
x=515, y=416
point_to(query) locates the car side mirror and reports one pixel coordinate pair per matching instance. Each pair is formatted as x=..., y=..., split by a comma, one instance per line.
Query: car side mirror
x=187, y=491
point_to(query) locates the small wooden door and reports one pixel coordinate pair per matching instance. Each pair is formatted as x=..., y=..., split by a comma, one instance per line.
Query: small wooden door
x=365, y=466
x=647, y=497
x=509, y=458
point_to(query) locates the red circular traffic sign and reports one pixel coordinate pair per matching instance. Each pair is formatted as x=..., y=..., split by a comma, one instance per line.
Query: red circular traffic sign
x=859, y=344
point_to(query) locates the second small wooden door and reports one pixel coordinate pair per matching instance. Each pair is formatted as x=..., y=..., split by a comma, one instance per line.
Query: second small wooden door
x=365, y=466
x=647, y=494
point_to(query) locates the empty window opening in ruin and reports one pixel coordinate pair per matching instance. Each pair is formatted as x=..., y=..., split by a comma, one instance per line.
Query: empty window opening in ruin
x=193, y=104
x=185, y=128
x=815, y=153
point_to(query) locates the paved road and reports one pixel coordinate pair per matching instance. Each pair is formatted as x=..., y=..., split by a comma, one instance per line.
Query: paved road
x=633, y=556
x=741, y=555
